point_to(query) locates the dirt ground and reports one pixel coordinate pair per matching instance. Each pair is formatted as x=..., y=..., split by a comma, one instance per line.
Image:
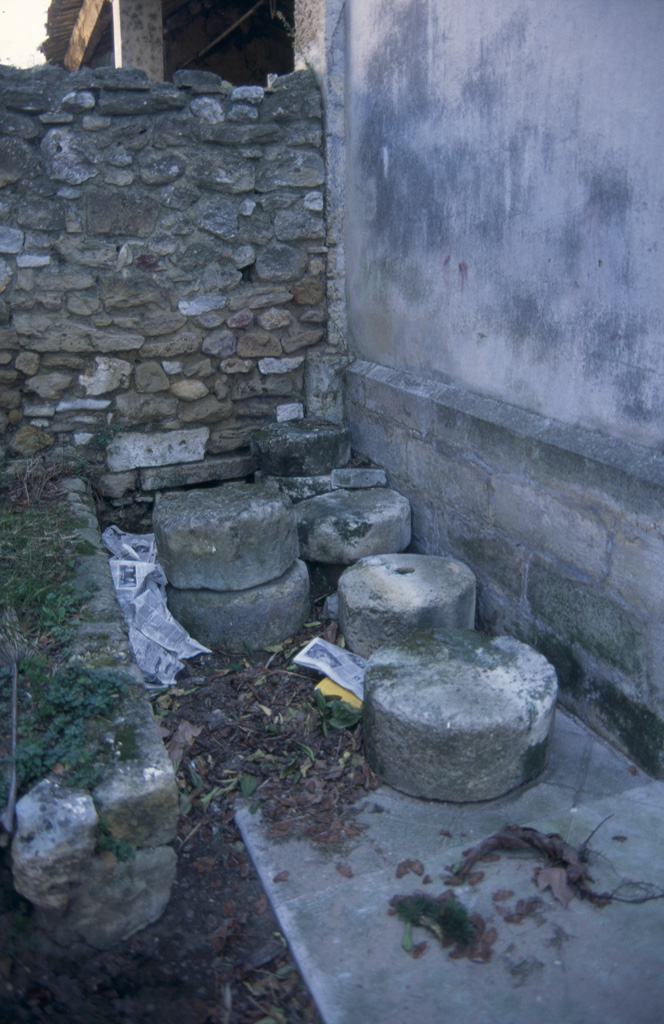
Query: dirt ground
x=237, y=727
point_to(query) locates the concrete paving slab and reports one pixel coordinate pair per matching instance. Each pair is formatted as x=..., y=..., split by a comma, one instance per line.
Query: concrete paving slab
x=578, y=965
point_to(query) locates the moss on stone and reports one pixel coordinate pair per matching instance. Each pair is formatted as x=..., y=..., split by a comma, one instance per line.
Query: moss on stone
x=571, y=676
x=126, y=741
x=638, y=729
x=534, y=760
x=350, y=530
x=578, y=613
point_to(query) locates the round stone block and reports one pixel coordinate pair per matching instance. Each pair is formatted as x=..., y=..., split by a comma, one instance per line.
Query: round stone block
x=342, y=526
x=258, y=616
x=225, y=538
x=453, y=715
x=387, y=596
x=300, y=447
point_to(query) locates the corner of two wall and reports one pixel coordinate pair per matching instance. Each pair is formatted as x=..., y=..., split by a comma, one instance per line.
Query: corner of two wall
x=563, y=528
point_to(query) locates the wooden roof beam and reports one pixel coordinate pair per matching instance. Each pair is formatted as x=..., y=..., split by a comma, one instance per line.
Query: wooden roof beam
x=92, y=20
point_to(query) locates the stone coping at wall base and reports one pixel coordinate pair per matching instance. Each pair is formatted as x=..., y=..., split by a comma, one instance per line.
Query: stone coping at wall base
x=55, y=860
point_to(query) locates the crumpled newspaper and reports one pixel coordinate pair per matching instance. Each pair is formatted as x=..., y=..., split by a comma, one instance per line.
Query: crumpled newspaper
x=158, y=642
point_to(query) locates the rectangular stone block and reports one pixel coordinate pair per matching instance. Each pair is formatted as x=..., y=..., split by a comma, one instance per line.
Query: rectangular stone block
x=116, y=485
x=378, y=441
x=581, y=614
x=134, y=451
x=350, y=479
x=213, y=469
x=494, y=558
x=455, y=483
x=550, y=524
x=403, y=398
x=637, y=569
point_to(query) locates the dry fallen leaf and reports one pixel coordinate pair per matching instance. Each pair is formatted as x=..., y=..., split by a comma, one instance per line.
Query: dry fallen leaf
x=203, y=864
x=281, y=877
x=502, y=894
x=405, y=866
x=260, y=904
x=556, y=880
x=184, y=736
x=619, y=839
x=345, y=870
x=331, y=632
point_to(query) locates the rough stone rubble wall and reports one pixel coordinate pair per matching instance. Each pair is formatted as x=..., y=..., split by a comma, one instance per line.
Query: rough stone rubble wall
x=563, y=527
x=162, y=265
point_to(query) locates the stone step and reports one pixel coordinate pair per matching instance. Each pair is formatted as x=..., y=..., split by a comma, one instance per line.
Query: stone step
x=257, y=616
x=300, y=448
x=343, y=526
x=357, y=479
x=388, y=596
x=231, y=537
x=453, y=715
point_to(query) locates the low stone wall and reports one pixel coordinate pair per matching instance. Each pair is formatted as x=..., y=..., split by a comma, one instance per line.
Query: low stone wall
x=78, y=891
x=162, y=266
x=563, y=528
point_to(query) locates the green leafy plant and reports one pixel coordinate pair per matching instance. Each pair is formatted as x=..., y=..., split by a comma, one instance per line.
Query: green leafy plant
x=338, y=714
x=38, y=565
x=446, y=918
x=107, y=843
x=62, y=716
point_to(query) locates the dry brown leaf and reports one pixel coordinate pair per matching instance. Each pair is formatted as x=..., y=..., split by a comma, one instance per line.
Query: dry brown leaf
x=420, y=949
x=345, y=870
x=619, y=839
x=203, y=864
x=556, y=880
x=502, y=894
x=331, y=632
x=183, y=737
x=260, y=904
x=405, y=866
x=281, y=877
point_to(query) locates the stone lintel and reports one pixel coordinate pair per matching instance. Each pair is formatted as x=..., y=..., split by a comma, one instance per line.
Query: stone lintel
x=225, y=467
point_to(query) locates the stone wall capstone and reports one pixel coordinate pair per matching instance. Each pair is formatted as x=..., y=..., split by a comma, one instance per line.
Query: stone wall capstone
x=162, y=264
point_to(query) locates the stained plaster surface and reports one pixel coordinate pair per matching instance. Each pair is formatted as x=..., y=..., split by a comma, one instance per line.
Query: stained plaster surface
x=578, y=964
